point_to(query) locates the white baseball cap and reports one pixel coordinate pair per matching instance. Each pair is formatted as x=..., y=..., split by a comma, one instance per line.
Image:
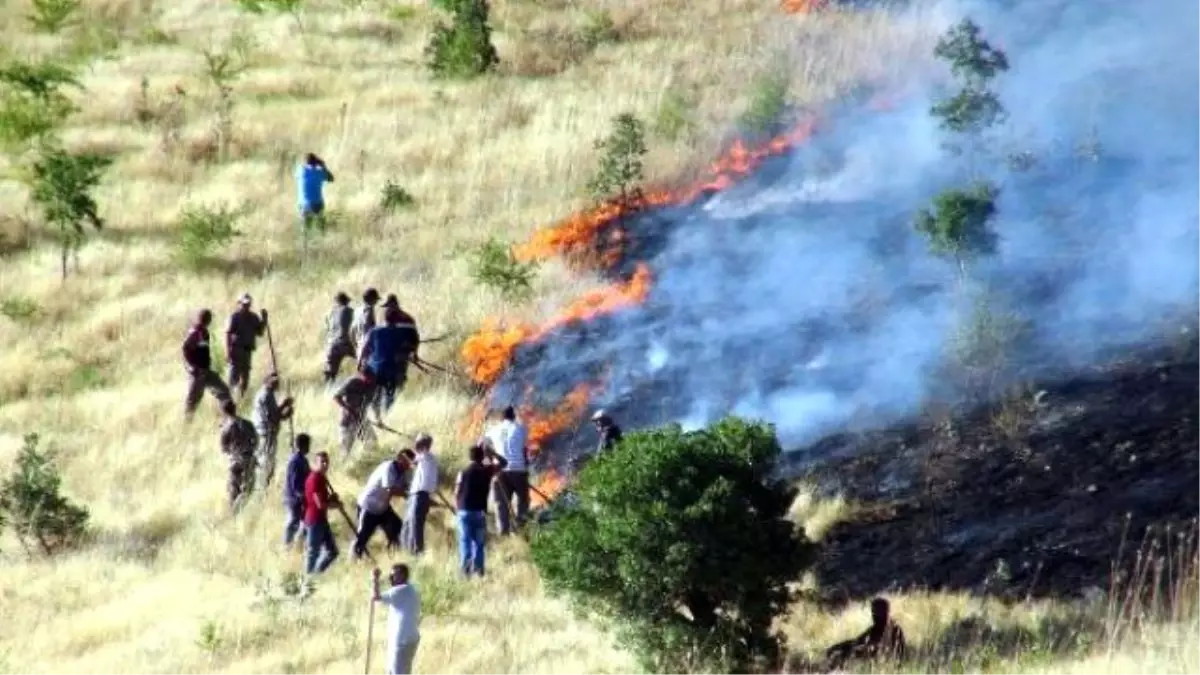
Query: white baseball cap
x=245, y=299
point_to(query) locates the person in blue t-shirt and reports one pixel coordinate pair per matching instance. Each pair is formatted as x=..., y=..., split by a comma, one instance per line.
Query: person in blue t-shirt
x=311, y=177
x=387, y=352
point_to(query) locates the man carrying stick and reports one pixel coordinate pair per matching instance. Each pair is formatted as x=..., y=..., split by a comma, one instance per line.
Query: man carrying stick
x=321, y=549
x=354, y=397
x=404, y=618
x=421, y=489
x=375, y=502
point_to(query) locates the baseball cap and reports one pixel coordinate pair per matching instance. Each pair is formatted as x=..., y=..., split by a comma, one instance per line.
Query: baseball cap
x=245, y=299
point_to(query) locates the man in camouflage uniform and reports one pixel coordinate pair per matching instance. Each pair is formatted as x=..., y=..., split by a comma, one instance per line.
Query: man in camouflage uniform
x=197, y=358
x=269, y=414
x=354, y=397
x=365, y=321
x=339, y=342
x=241, y=338
x=238, y=440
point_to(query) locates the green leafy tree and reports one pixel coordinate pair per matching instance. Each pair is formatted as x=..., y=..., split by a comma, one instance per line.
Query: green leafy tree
x=61, y=184
x=493, y=264
x=463, y=48
x=51, y=16
x=958, y=225
x=32, y=502
x=682, y=541
x=32, y=102
x=974, y=62
x=620, y=170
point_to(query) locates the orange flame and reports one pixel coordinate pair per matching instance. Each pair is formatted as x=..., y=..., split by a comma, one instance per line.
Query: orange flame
x=549, y=484
x=488, y=352
x=542, y=427
x=802, y=6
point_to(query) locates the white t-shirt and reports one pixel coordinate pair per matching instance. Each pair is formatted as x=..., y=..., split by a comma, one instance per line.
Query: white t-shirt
x=508, y=438
x=425, y=475
x=375, y=496
x=404, y=615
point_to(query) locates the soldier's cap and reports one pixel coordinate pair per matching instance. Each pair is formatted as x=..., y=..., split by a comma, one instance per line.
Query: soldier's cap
x=245, y=299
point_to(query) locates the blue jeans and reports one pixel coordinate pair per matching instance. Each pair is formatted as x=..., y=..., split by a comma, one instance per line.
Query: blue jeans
x=472, y=539
x=295, y=522
x=320, y=544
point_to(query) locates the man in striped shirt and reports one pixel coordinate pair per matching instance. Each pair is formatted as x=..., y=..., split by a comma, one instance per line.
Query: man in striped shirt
x=508, y=438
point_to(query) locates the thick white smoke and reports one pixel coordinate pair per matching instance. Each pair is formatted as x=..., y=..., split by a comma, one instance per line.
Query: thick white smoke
x=805, y=296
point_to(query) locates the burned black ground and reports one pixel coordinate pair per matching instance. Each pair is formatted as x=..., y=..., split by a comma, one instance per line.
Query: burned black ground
x=1035, y=495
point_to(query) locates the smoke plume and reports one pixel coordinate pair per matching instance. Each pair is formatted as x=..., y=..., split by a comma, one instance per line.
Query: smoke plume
x=805, y=297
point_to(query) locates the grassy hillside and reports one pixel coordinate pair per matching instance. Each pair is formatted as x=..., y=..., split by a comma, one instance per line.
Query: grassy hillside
x=171, y=582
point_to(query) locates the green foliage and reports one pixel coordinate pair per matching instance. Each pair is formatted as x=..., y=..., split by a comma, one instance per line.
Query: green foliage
x=463, y=49
x=18, y=308
x=969, y=110
x=394, y=198
x=201, y=231
x=493, y=264
x=674, y=116
x=31, y=502
x=682, y=541
x=768, y=101
x=620, y=169
x=51, y=16
x=222, y=69
x=210, y=640
x=958, y=225
x=974, y=62
x=971, y=58
x=598, y=29
x=32, y=102
x=61, y=184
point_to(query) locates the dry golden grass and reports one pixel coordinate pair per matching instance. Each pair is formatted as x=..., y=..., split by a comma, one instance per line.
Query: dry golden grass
x=172, y=583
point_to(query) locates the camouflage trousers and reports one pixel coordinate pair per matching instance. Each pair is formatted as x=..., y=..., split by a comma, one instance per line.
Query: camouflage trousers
x=265, y=454
x=198, y=382
x=239, y=369
x=241, y=481
x=355, y=429
x=335, y=353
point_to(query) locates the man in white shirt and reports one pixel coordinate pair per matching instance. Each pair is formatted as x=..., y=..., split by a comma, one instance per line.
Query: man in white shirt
x=508, y=438
x=420, y=492
x=404, y=618
x=375, y=502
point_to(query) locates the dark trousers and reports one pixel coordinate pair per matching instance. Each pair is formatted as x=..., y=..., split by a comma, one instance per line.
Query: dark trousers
x=369, y=522
x=512, y=483
x=414, y=525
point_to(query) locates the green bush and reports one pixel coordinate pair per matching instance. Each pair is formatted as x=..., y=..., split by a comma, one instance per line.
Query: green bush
x=682, y=541
x=958, y=224
x=494, y=265
x=31, y=503
x=768, y=101
x=620, y=169
x=32, y=103
x=202, y=230
x=462, y=49
x=18, y=308
x=674, y=116
x=598, y=29
x=395, y=198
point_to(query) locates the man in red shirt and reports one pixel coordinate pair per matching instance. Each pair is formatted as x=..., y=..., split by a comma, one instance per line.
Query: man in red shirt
x=321, y=549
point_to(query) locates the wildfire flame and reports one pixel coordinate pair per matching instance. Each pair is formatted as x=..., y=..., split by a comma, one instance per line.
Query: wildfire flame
x=802, y=6
x=594, y=238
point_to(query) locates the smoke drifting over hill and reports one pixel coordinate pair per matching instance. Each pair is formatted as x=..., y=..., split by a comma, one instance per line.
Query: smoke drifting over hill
x=804, y=296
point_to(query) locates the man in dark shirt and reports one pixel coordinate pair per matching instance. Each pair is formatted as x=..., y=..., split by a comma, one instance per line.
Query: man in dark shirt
x=241, y=339
x=354, y=397
x=339, y=341
x=883, y=639
x=321, y=549
x=471, y=491
x=610, y=433
x=197, y=359
x=386, y=355
x=293, y=488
